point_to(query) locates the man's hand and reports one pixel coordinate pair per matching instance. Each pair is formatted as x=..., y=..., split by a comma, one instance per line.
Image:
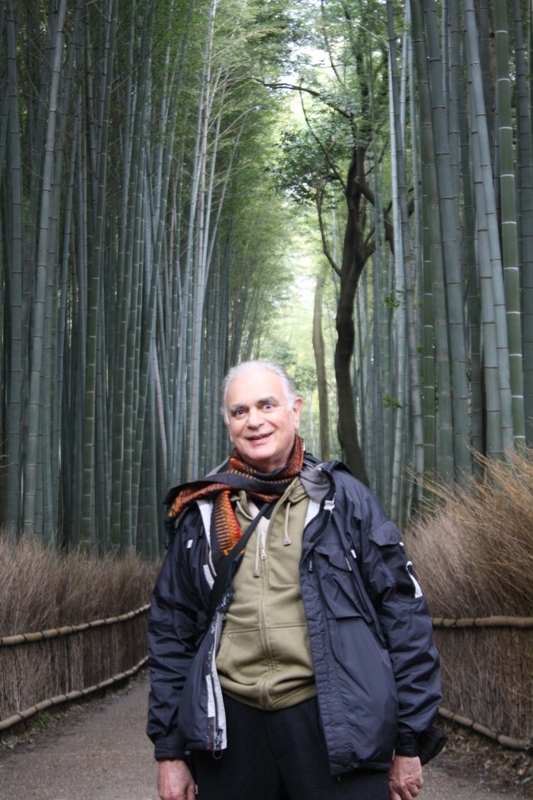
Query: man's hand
x=175, y=781
x=405, y=778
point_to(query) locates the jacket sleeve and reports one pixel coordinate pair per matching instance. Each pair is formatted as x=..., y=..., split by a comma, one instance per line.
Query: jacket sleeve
x=404, y=619
x=176, y=622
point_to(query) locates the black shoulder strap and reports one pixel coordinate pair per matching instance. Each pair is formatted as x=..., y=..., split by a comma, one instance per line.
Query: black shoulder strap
x=228, y=567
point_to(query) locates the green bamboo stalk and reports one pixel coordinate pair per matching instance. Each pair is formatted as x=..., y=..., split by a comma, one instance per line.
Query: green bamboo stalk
x=434, y=308
x=402, y=265
x=470, y=267
x=486, y=52
x=94, y=287
x=409, y=273
x=418, y=253
x=101, y=481
x=62, y=321
x=13, y=424
x=524, y=174
x=204, y=205
x=448, y=206
x=455, y=76
x=49, y=446
x=133, y=356
x=476, y=89
x=124, y=282
x=359, y=377
x=30, y=476
x=491, y=370
x=508, y=220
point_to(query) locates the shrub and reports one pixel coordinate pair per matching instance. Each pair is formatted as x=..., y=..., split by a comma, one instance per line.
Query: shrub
x=474, y=553
x=41, y=588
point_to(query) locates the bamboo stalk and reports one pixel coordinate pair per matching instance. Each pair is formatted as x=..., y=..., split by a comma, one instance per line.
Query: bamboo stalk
x=14, y=413
x=449, y=217
x=486, y=171
x=508, y=220
x=34, y=413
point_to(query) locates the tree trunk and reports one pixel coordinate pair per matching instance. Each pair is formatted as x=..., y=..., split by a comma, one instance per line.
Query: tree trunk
x=354, y=257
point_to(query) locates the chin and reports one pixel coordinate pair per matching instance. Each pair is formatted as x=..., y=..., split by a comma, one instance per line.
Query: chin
x=260, y=453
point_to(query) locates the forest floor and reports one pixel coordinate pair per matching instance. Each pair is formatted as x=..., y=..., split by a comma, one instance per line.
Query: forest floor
x=98, y=750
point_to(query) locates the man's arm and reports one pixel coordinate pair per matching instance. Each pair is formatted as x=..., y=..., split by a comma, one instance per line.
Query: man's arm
x=175, y=781
x=405, y=778
x=404, y=621
x=173, y=635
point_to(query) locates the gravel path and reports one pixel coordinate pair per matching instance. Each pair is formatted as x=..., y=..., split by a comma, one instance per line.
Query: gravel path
x=99, y=751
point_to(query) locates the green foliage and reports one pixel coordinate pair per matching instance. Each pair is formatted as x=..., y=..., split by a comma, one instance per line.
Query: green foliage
x=391, y=402
x=391, y=300
x=303, y=166
x=269, y=35
x=43, y=722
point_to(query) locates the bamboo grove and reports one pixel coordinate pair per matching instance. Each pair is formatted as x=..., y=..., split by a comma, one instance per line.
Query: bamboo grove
x=416, y=152
x=131, y=209
x=142, y=244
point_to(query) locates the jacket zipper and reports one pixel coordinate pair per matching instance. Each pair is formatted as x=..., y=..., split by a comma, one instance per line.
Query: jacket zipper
x=327, y=505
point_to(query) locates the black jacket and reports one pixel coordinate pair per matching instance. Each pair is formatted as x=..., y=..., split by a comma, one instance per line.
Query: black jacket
x=376, y=666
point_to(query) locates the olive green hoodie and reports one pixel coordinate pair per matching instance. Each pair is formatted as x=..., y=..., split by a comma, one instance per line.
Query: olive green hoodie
x=264, y=659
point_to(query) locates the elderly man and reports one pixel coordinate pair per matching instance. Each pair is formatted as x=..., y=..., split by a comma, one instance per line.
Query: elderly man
x=306, y=670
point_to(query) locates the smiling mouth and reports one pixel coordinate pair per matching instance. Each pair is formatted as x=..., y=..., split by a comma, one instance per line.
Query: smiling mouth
x=259, y=439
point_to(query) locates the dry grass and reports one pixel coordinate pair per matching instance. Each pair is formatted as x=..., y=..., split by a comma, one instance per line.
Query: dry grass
x=40, y=588
x=474, y=554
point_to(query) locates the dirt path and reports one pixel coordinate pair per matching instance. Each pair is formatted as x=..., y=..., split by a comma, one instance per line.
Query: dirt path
x=99, y=751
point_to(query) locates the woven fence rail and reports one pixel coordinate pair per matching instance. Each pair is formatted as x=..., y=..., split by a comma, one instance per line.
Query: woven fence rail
x=487, y=669
x=483, y=622
x=487, y=676
x=67, y=630
x=45, y=668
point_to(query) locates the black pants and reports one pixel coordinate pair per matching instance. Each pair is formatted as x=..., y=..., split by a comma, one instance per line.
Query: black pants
x=279, y=755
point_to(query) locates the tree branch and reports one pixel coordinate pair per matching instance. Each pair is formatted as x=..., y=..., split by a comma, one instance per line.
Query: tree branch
x=322, y=147
x=328, y=47
x=312, y=92
x=325, y=245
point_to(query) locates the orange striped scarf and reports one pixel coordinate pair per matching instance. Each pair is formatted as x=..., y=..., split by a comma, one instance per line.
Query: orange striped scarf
x=237, y=475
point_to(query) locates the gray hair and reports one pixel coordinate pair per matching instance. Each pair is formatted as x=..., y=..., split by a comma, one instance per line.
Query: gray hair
x=289, y=391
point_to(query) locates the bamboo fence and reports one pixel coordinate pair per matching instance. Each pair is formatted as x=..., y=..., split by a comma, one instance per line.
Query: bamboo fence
x=487, y=669
x=66, y=663
x=487, y=676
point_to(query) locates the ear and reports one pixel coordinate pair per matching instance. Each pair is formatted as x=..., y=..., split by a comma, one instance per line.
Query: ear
x=297, y=410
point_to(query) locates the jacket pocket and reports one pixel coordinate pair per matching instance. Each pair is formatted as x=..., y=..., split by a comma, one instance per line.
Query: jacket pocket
x=396, y=571
x=386, y=534
x=342, y=592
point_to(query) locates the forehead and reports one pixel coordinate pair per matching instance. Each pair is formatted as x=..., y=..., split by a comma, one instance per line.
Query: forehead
x=254, y=385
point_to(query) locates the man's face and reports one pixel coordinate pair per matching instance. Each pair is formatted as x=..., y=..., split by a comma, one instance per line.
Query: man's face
x=261, y=426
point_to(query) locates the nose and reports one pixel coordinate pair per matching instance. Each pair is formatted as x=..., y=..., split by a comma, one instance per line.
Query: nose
x=254, y=418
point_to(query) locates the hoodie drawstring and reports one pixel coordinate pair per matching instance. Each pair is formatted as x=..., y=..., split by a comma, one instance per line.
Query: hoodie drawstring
x=287, y=539
x=262, y=531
